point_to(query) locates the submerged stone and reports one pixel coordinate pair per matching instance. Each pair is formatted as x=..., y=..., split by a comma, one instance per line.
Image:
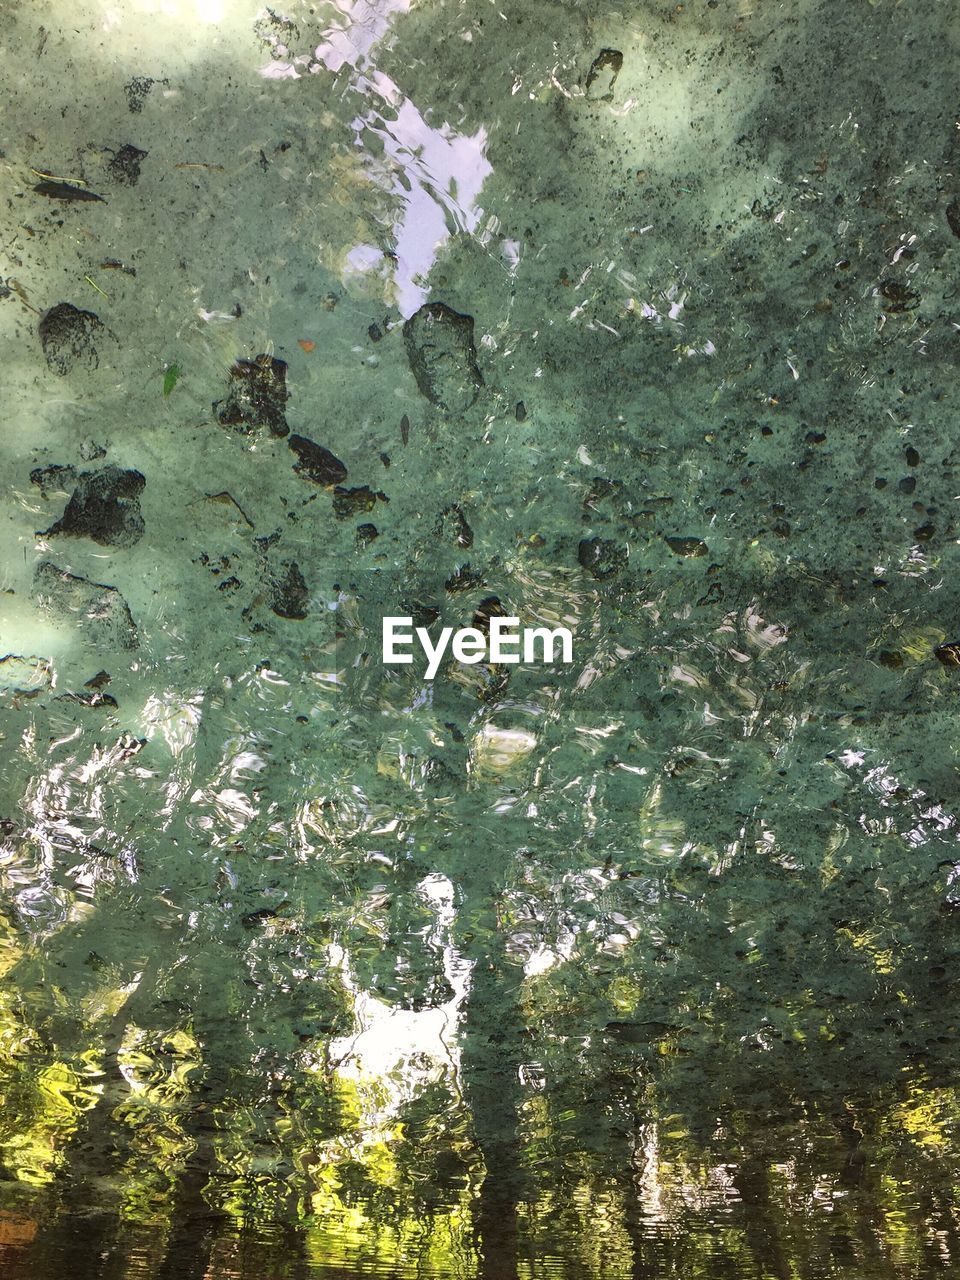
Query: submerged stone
x=687, y=546
x=104, y=506
x=601, y=557
x=99, y=612
x=125, y=165
x=602, y=489
x=258, y=396
x=897, y=298
x=316, y=463
x=443, y=357
x=351, y=502
x=69, y=338
x=289, y=593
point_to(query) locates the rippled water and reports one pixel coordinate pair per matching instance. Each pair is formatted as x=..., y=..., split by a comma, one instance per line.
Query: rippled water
x=641, y=966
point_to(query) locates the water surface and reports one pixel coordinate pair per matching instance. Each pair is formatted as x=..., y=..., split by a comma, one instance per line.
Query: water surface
x=641, y=967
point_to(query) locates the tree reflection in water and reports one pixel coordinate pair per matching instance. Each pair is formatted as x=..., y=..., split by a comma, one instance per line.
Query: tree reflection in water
x=606, y=1007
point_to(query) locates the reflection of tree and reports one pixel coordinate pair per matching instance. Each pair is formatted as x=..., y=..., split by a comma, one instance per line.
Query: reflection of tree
x=492, y=1051
x=734, y=1011
x=491, y=1045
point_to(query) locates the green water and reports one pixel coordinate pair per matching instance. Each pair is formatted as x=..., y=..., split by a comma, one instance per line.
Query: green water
x=636, y=968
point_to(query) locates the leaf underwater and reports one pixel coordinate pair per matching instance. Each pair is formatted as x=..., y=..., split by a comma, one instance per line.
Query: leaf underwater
x=65, y=191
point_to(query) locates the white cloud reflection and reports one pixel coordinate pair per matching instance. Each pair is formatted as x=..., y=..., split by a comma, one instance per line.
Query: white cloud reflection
x=403, y=1049
x=434, y=173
